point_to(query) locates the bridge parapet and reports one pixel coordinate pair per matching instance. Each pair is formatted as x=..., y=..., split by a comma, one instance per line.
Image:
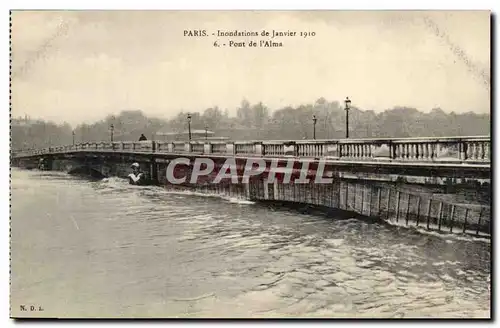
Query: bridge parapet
x=453, y=149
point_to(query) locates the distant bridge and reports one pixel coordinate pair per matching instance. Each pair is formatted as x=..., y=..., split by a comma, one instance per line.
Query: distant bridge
x=403, y=177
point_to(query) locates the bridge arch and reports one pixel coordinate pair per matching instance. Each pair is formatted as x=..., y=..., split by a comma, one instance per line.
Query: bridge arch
x=87, y=171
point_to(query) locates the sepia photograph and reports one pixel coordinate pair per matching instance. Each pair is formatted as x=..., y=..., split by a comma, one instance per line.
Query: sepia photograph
x=250, y=164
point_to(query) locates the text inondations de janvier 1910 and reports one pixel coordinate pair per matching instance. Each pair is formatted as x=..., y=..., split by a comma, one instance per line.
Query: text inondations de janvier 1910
x=248, y=39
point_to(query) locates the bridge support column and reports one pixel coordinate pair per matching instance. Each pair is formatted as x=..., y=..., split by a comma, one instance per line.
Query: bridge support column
x=265, y=184
x=48, y=163
x=154, y=171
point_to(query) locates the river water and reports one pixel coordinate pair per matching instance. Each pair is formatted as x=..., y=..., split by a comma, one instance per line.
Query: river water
x=84, y=248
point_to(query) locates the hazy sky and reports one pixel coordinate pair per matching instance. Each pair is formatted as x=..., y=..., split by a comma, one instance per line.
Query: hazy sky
x=73, y=66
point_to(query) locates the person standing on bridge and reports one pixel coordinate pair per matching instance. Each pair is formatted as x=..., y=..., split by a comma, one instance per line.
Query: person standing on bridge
x=142, y=137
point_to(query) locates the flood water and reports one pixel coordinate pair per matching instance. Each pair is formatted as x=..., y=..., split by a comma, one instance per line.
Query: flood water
x=84, y=248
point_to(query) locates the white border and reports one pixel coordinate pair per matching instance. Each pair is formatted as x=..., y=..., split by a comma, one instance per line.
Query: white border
x=147, y=4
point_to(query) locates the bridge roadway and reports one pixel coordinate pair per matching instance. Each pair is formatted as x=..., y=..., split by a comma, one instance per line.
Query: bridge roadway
x=423, y=159
x=439, y=183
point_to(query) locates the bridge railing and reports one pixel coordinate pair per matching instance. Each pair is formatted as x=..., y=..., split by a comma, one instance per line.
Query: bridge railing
x=449, y=149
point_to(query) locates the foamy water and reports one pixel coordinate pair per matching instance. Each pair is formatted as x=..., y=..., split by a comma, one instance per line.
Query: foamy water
x=109, y=249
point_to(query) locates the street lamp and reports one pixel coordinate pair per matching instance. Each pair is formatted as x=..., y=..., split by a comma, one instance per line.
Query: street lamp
x=112, y=129
x=73, y=133
x=189, y=125
x=347, y=108
x=314, y=126
x=206, y=132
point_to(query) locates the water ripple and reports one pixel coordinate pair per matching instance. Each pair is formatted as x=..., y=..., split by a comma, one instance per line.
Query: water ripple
x=148, y=252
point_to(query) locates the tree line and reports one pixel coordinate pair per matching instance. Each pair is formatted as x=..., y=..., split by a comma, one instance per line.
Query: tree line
x=258, y=122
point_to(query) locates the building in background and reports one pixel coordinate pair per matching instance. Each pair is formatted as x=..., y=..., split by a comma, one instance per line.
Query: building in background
x=196, y=135
x=22, y=121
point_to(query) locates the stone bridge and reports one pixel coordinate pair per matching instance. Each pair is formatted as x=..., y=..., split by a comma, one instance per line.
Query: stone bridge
x=437, y=182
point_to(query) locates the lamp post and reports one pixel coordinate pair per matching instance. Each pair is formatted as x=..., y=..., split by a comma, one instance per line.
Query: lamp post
x=314, y=126
x=189, y=125
x=206, y=132
x=111, y=128
x=73, y=133
x=347, y=108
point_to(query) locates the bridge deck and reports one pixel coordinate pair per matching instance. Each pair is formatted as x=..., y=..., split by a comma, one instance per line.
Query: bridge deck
x=448, y=151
